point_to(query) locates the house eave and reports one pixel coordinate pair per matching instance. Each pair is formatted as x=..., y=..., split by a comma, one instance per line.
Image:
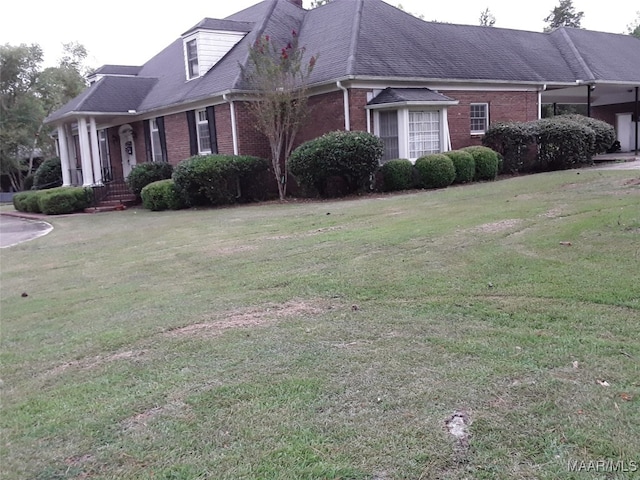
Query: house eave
x=381, y=106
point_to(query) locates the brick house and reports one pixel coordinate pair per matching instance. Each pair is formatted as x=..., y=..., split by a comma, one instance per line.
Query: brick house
x=423, y=87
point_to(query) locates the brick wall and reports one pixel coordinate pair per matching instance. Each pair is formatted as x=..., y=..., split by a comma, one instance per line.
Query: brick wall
x=176, y=131
x=250, y=140
x=503, y=106
x=223, y=129
x=326, y=115
x=607, y=113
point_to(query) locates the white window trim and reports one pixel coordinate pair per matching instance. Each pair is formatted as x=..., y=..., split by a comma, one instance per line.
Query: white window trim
x=403, y=128
x=187, y=65
x=153, y=130
x=486, y=124
x=198, y=123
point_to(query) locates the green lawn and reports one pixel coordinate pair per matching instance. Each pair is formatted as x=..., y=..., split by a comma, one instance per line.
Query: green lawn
x=331, y=340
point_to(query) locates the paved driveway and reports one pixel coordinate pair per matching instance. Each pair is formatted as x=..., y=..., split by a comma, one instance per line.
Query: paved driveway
x=15, y=230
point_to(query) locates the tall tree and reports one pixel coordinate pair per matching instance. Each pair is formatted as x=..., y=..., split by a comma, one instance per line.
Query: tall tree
x=634, y=28
x=564, y=15
x=487, y=19
x=28, y=95
x=279, y=76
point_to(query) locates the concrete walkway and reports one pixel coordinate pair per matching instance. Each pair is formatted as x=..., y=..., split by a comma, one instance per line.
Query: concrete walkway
x=15, y=230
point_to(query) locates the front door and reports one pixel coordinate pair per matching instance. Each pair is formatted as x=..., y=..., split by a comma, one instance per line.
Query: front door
x=127, y=149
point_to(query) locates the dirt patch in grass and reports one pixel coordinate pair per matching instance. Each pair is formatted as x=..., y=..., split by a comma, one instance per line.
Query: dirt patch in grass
x=554, y=212
x=496, y=227
x=309, y=233
x=247, y=318
x=632, y=183
x=93, y=362
x=458, y=425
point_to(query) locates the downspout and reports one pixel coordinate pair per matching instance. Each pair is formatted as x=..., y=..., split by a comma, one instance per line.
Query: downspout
x=544, y=89
x=345, y=100
x=637, y=112
x=234, y=132
x=589, y=100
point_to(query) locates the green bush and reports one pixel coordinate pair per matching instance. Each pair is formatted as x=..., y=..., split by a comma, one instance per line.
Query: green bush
x=65, y=200
x=487, y=162
x=353, y=157
x=26, y=202
x=435, y=170
x=511, y=140
x=464, y=164
x=218, y=179
x=605, y=133
x=48, y=175
x=53, y=201
x=563, y=143
x=27, y=183
x=161, y=195
x=397, y=174
x=145, y=173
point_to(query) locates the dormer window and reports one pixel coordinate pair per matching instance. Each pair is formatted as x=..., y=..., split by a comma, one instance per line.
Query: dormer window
x=192, y=59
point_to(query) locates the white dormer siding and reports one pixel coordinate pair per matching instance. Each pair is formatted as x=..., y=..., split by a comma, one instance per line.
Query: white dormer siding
x=211, y=46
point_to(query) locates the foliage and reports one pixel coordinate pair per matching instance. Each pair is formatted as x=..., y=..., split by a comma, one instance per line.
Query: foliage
x=278, y=75
x=487, y=19
x=145, y=173
x=161, y=195
x=352, y=156
x=563, y=143
x=28, y=94
x=633, y=29
x=512, y=141
x=215, y=179
x=435, y=170
x=464, y=164
x=564, y=15
x=27, y=183
x=48, y=174
x=53, y=201
x=397, y=174
x=605, y=133
x=487, y=162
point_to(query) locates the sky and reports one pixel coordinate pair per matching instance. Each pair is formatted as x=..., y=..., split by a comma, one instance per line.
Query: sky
x=130, y=32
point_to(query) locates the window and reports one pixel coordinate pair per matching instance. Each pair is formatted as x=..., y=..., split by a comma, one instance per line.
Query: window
x=192, y=59
x=479, y=117
x=156, y=146
x=204, y=139
x=424, y=133
x=103, y=144
x=389, y=134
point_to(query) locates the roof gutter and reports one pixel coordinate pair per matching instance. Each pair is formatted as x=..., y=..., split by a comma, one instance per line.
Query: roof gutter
x=345, y=101
x=234, y=131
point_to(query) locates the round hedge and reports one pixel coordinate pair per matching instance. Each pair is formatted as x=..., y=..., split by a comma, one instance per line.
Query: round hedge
x=48, y=175
x=487, y=162
x=397, y=174
x=352, y=156
x=145, y=173
x=464, y=164
x=435, y=170
x=161, y=195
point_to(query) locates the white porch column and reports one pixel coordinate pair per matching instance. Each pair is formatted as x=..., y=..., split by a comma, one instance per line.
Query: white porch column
x=64, y=155
x=85, y=153
x=95, y=152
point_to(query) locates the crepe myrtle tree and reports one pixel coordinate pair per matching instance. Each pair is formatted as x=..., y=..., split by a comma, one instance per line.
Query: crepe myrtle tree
x=279, y=76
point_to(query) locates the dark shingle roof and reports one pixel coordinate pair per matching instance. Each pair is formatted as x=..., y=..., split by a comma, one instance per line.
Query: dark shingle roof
x=371, y=39
x=223, y=25
x=406, y=95
x=109, y=95
x=117, y=70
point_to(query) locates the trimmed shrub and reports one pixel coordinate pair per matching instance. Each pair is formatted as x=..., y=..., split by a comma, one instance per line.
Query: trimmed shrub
x=605, y=133
x=145, y=173
x=26, y=202
x=397, y=174
x=53, y=201
x=435, y=170
x=218, y=179
x=563, y=143
x=65, y=200
x=48, y=175
x=352, y=157
x=464, y=164
x=511, y=140
x=487, y=162
x=161, y=195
